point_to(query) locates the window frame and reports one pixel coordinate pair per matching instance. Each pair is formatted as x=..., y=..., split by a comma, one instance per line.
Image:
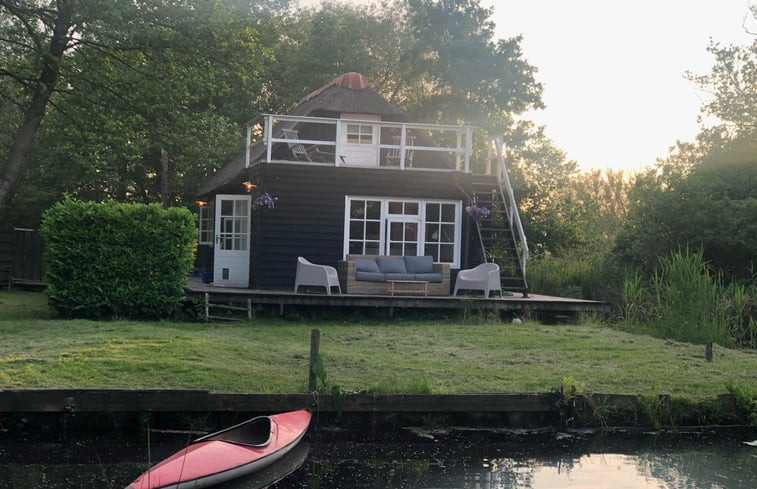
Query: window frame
x=420, y=218
x=363, y=135
x=206, y=225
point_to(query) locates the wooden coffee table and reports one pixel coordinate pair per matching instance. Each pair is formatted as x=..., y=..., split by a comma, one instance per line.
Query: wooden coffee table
x=404, y=287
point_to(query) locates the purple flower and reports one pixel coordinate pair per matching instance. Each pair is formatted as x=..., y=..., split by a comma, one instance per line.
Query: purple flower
x=265, y=201
x=477, y=212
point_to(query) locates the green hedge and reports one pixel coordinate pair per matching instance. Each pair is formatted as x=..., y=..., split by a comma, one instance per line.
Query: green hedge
x=116, y=260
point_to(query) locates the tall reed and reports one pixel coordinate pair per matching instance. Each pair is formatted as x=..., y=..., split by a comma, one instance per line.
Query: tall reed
x=741, y=314
x=687, y=300
x=635, y=306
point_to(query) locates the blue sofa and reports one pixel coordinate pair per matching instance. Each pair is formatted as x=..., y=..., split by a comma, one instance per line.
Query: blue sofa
x=367, y=274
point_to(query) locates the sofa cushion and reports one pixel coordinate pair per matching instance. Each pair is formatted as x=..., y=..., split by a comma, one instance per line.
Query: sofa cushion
x=400, y=276
x=391, y=264
x=434, y=278
x=370, y=276
x=419, y=264
x=366, y=265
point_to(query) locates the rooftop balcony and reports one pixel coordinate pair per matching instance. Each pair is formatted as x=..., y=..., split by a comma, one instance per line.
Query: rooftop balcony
x=358, y=143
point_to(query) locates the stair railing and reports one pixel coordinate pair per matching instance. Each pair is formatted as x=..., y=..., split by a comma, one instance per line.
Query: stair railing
x=513, y=216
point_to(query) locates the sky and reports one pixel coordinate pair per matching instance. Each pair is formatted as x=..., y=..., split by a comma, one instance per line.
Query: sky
x=614, y=71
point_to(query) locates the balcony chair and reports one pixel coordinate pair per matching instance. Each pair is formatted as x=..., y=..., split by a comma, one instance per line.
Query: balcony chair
x=484, y=277
x=302, y=152
x=393, y=155
x=310, y=274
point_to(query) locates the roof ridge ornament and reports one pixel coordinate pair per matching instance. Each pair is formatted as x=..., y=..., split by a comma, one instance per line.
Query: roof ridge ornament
x=352, y=80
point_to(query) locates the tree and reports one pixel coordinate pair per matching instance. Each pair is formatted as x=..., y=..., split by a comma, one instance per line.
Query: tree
x=733, y=83
x=704, y=194
x=459, y=72
x=320, y=43
x=436, y=60
x=540, y=174
x=35, y=36
x=713, y=208
x=134, y=83
x=138, y=85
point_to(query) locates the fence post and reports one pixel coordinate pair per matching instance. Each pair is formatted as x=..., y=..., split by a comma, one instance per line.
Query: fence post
x=315, y=346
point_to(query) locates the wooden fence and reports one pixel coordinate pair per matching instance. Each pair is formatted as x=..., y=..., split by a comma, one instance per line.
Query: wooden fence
x=21, y=258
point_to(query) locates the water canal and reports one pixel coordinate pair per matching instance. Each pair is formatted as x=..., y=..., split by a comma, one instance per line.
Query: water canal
x=440, y=460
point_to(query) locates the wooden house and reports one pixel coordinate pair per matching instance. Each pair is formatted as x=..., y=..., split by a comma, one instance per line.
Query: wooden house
x=345, y=173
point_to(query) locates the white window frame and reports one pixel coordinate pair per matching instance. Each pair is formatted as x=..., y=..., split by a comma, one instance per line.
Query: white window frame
x=360, y=133
x=206, y=225
x=440, y=223
x=420, y=218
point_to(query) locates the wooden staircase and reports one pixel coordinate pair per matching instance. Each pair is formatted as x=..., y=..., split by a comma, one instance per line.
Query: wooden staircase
x=500, y=234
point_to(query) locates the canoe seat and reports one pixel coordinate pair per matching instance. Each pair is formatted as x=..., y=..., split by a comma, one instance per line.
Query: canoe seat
x=255, y=432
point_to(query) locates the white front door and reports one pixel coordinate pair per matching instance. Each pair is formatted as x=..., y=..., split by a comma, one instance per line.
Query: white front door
x=231, y=259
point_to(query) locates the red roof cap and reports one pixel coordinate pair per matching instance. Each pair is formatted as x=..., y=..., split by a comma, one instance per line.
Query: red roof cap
x=352, y=80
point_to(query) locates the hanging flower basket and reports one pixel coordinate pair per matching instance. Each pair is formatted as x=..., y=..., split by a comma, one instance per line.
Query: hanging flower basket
x=477, y=212
x=264, y=201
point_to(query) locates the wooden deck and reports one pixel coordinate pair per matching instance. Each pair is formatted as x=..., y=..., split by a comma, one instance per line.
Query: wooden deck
x=516, y=303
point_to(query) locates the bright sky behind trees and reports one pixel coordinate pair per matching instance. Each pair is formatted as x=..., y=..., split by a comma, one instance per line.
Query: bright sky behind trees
x=614, y=72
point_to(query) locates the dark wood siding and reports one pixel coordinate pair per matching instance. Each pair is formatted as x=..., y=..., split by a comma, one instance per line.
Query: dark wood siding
x=6, y=255
x=309, y=216
x=27, y=257
x=21, y=257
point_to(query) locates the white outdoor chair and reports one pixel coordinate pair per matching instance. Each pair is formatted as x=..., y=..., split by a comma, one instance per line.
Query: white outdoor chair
x=393, y=155
x=484, y=277
x=293, y=141
x=310, y=274
x=300, y=151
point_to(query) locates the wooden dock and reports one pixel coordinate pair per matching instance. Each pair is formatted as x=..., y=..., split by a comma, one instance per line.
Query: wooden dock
x=515, y=304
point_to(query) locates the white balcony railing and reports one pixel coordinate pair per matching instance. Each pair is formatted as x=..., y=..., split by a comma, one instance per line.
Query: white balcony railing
x=360, y=143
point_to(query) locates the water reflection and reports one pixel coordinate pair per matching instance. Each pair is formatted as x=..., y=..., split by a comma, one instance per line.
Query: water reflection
x=472, y=460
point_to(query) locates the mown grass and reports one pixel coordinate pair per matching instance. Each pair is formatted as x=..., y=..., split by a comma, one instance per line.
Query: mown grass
x=271, y=356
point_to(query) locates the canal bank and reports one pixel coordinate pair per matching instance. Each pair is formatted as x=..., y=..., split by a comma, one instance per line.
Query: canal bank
x=71, y=410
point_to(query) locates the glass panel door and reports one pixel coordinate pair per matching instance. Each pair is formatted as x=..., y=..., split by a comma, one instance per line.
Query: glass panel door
x=402, y=237
x=231, y=257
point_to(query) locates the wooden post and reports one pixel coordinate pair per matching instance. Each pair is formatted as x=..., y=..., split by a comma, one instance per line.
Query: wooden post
x=207, y=306
x=708, y=351
x=315, y=346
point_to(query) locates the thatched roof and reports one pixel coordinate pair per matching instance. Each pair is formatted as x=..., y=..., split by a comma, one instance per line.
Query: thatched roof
x=348, y=93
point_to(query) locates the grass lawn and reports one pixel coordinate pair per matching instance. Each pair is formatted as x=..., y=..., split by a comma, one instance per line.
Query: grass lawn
x=271, y=356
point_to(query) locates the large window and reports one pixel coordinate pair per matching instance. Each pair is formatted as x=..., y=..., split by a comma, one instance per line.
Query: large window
x=386, y=226
x=364, y=227
x=206, y=225
x=441, y=231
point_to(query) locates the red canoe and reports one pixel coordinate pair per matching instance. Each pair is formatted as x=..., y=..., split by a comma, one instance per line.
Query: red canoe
x=227, y=454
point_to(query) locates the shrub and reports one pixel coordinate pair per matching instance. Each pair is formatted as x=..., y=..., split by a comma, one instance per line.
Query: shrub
x=574, y=276
x=116, y=260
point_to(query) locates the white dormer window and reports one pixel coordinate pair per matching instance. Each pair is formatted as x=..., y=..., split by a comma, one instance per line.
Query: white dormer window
x=359, y=140
x=359, y=134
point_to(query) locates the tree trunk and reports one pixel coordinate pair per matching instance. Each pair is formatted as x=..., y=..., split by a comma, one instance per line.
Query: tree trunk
x=164, y=184
x=35, y=112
